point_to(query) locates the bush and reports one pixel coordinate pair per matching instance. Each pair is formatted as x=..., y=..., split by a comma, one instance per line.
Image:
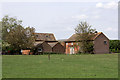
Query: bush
x=114, y=46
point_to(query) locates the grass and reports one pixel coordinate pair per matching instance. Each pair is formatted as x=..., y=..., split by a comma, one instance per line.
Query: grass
x=60, y=66
x=0, y=67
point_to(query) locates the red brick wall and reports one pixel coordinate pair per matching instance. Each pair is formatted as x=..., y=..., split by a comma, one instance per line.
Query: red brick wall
x=25, y=52
x=69, y=44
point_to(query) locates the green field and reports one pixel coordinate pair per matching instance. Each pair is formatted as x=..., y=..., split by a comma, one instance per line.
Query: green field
x=0, y=67
x=60, y=66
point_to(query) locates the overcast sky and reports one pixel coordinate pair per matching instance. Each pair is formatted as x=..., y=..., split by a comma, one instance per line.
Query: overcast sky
x=61, y=17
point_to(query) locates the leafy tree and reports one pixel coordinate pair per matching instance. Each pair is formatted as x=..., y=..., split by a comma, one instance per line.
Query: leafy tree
x=0, y=37
x=20, y=38
x=114, y=45
x=8, y=23
x=0, y=31
x=84, y=34
x=15, y=36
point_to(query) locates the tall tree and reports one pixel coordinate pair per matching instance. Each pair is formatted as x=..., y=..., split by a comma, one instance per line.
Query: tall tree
x=8, y=23
x=16, y=35
x=84, y=34
x=20, y=38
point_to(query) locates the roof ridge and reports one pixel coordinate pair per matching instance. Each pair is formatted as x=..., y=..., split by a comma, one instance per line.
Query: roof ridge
x=43, y=33
x=72, y=38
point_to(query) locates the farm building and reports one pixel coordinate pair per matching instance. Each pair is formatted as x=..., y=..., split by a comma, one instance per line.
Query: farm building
x=42, y=47
x=57, y=47
x=100, y=41
x=46, y=42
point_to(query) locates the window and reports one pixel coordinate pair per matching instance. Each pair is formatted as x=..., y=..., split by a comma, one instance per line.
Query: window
x=47, y=36
x=71, y=43
x=105, y=42
x=66, y=43
x=36, y=35
x=39, y=50
x=77, y=44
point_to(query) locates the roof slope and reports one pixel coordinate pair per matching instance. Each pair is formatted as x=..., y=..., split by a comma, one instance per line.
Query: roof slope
x=39, y=42
x=52, y=44
x=45, y=37
x=74, y=36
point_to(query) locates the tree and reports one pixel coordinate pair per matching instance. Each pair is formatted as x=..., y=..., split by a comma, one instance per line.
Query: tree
x=84, y=34
x=0, y=31
x=0, y=37
x=20, y=38
x=16, y=35
x=8, y=23
x=114, y=46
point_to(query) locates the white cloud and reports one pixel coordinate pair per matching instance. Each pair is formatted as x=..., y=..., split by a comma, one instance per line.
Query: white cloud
x=109, y=5
x=96, y=17
x=83, y=16
x=110, y=29
x=69, y=29
x=99, y=5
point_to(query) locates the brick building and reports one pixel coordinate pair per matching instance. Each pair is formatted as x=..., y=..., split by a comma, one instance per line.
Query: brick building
x=100, y=41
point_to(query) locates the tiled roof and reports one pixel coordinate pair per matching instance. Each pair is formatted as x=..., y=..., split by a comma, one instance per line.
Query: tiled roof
x=45, y=37
x=74, y=36
x=96, y=35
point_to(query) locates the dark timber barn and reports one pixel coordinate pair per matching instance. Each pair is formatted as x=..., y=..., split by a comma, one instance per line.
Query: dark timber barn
x=57, y=47
x=42, y=47
x=46, y=42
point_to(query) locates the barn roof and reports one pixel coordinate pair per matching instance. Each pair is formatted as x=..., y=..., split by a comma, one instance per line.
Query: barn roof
x=44, y=37
x=73, y=37
x=38, y=42
x=52, y=44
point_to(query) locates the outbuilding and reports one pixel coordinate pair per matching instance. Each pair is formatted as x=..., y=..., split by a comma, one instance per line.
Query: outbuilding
x=42, y=47
x=57, y=47
x=46, y=42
